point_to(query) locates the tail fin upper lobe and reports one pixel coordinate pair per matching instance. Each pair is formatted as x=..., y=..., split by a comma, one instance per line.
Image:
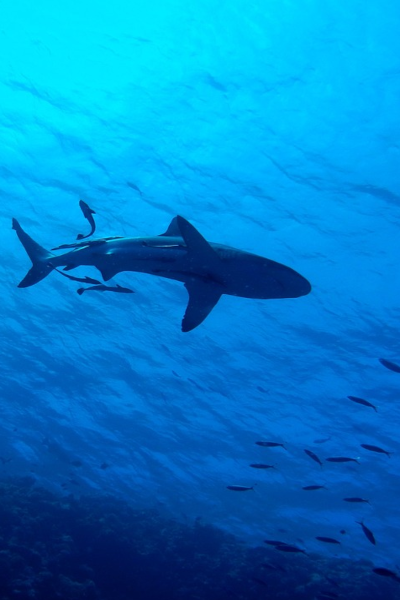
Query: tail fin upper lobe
x=40, y=257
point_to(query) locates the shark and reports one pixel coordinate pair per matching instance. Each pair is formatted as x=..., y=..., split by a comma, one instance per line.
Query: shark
x=208, y=270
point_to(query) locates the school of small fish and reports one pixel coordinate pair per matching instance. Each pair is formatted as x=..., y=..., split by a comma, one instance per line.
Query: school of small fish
x=293, y=549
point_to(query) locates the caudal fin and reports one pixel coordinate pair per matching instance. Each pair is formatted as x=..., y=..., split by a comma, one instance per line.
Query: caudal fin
x=40, y=257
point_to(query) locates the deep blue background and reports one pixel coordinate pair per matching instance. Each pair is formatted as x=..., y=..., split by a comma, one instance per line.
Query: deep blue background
x=273, y=127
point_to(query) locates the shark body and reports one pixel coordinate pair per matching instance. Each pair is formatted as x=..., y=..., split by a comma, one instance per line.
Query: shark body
x=207, y=270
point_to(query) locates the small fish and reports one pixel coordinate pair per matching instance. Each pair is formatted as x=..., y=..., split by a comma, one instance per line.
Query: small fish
x=341, y=459
x=135, y=187
x=261, y=466
x=76, y=463
x=270, y=444
x=87, y=213
x=239, y=488
x=275, y=543
x=89, y=244
x=390, y=365
x=362, y=401
x=322, y=440
x=327, y=540
x=63, y=246
x=386, y=573
x=106, y=288
x=313, y=487
x=105, y=465
x=368, y=533
x=289, y=548
x=375, y=449
x=199, y=387
x=355, y=500
x=86, y=279
x=313, y=456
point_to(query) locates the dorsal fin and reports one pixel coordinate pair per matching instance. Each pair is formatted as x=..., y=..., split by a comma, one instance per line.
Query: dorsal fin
x=202, y=299
x=196, y=244
x=173, y=229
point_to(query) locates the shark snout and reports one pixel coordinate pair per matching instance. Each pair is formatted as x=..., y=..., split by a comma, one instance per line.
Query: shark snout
x=294, y=285
x=304, y=287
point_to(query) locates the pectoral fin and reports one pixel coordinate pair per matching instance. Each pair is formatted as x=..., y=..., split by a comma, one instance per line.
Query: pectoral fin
x=203, y=296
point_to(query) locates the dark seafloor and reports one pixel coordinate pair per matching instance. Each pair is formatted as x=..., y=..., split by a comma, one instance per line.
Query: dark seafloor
x=99, y=548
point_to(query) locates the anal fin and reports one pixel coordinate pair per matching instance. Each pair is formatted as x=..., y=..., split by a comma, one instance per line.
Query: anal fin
x=203, y=296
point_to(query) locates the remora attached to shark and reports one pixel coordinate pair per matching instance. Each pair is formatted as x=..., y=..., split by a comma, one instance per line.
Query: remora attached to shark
x=206, y=269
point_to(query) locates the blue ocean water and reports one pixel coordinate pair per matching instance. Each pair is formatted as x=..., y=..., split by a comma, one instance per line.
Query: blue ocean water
x=272, y=127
